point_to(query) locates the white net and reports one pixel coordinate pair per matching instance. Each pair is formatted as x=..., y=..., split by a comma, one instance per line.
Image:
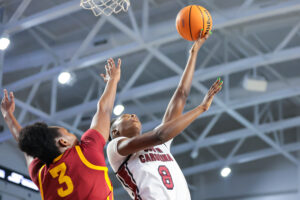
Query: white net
x=106, y=7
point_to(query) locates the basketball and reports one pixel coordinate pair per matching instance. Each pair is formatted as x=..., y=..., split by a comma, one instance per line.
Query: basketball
x=191, y=19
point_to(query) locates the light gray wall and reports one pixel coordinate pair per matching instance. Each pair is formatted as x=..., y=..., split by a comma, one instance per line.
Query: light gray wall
x=12, y=192
x=11, y=157
x=270, y=179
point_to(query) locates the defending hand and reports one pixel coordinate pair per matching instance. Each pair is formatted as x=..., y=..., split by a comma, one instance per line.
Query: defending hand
x=7, y=106
x=112, y=72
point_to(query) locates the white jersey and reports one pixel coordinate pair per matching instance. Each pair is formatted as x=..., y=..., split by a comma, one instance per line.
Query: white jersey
x=150, y=174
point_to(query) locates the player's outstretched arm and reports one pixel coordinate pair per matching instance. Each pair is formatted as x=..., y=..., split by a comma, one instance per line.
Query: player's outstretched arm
x=101, y=120
x=178, y=100
x=168, y=130
x=7, y=109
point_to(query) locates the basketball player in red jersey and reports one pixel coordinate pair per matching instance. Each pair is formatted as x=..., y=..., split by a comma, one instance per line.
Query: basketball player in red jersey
x=60, y=165
x=143, y=163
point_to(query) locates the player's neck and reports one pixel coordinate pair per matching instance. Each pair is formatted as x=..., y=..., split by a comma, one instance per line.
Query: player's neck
x=64, y=149
x=132, y=133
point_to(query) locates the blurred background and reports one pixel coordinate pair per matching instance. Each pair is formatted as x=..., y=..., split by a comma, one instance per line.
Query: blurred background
x=246, y=147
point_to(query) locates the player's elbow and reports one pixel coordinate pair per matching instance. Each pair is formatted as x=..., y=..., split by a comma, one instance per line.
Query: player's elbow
x=160, y=136
x=103, y=107
x=181, y=92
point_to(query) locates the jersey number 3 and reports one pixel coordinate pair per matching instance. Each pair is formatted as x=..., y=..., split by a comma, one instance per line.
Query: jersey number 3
x=59, y=171
x=166, y=177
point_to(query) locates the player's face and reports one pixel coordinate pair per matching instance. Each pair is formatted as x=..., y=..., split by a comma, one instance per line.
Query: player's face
x=128, y=125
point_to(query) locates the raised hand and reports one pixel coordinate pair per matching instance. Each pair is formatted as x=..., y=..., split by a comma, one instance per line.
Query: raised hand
x=214, y=89
x=7, y=106
x=200, y=41
x=112, y=72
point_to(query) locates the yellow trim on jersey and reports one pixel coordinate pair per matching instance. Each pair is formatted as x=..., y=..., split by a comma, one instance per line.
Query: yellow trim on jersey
x=40, y=182
x=95, y=167
x=87, y=163
x=57, y=158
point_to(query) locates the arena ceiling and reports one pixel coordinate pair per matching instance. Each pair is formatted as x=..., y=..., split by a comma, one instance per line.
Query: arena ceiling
x=251, y=38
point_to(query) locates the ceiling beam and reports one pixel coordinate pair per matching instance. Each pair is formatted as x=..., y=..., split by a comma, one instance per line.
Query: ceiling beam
x=277, y=92
x=242, y=158
x=168, y=83
x=42, y=17
x=167, y=28
x=45, y=116
x=73, y=6
x=19, y=11
x=221, y=138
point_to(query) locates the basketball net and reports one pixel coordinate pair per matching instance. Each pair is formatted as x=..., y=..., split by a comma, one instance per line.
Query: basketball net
x=106, y=7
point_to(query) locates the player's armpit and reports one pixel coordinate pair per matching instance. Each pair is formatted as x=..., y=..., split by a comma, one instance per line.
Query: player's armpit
x=92, y=140
x=28, y=159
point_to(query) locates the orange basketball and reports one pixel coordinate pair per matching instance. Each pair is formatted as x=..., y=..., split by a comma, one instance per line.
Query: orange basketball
x=191, y=19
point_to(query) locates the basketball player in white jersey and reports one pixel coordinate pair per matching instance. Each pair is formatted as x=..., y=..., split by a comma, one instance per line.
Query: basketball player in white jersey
x=143, y=163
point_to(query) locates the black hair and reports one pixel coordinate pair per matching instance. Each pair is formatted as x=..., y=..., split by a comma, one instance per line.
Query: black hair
x=111, y=126
x=38, y=141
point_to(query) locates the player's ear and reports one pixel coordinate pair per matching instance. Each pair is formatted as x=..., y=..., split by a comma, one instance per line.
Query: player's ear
x=115, y=133
x=63, y=142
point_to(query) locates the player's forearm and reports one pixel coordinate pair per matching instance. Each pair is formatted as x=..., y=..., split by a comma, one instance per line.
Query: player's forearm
x=187, y=77
x=15, y=129
x=178, y=100
x=159, y=135
x=13, y=125
x=106, y=102
x=172, y=128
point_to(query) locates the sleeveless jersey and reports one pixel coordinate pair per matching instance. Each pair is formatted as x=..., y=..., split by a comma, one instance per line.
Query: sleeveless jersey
x=150, y=174
x=79, y=173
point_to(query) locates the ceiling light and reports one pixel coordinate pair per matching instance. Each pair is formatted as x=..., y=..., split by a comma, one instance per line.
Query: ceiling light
x=225, y=172
x=4, y=43
x=2, y=173
x=118, y=109
x=256, y=84
x=194, y=154
x=64, y=77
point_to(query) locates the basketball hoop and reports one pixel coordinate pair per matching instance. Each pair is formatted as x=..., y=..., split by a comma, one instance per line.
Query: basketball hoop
x=106, y=7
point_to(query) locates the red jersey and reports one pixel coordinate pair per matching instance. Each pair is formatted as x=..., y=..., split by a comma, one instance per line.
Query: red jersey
x=80, y=173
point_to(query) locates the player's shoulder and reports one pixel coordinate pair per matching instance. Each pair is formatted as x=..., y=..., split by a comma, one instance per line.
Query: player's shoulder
x=114, y=157
x=67, y=156
x=116, y=140
x=92, y=133
x=112, y=145
x=92, y=137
